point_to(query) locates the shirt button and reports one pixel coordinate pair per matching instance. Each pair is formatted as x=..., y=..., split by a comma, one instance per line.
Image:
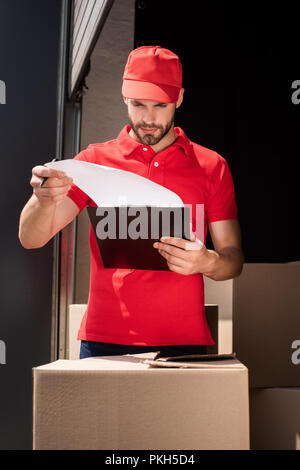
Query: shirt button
x=156, y=164
x=145, y=149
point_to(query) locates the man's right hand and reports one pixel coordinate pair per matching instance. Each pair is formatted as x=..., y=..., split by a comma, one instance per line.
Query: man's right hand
x=55, y=187
x=48, y=210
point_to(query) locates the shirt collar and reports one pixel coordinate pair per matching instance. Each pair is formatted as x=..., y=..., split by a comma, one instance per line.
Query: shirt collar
x=128, y=145
x=183, y=141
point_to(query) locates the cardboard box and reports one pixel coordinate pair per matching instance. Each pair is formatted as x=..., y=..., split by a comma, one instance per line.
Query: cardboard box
x=266, y=323
x=275, y=418
x=121, y=403
x=76, y=312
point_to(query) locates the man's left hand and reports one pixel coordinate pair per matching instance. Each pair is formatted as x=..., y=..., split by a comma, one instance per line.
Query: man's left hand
x=184, y=256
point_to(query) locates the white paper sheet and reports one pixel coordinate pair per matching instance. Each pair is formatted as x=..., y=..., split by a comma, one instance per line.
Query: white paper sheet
x=111, y=187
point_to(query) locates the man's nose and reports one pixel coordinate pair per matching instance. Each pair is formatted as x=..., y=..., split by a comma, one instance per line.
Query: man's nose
x=149, y=117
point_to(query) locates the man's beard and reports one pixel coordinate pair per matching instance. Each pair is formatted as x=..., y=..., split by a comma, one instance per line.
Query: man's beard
x=150, y=139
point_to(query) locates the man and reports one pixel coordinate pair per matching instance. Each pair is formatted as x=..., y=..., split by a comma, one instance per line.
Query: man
x=133, y=311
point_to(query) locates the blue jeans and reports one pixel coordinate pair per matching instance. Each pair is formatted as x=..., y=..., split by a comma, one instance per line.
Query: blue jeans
x=95, y=348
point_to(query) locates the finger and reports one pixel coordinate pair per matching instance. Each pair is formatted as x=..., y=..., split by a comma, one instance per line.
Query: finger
x=183, y=244
x=178, y=242
x=57, y=182
x=194, y=245
x=192, y=235
x=179, y=262
x=51, y=192
x=51, y=182
x=45, y=172
x=176, y=269
x=171, y=250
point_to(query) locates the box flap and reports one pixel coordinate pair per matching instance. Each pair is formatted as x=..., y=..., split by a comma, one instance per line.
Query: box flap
x=132, y=362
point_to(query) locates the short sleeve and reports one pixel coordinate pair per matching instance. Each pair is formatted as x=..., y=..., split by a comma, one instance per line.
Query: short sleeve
x=221, y=202
x=80, y=198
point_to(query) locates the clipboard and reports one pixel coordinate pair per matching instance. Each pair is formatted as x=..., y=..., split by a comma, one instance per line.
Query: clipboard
x=118, y=251
x=191, y=361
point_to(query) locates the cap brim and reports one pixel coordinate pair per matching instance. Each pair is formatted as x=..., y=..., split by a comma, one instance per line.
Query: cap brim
x=137, y=90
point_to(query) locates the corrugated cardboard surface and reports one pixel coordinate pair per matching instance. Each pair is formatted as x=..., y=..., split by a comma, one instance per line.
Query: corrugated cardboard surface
x=266, y=319
x=118, y=402
x=275, y=418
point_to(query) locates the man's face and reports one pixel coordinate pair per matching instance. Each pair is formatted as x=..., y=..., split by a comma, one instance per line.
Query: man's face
x=150, y=120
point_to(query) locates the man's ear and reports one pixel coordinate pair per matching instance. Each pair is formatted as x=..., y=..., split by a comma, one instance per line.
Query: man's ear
x=180, y=97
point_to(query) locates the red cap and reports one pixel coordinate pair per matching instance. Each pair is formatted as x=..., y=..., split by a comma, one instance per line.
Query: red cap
x=152, y=73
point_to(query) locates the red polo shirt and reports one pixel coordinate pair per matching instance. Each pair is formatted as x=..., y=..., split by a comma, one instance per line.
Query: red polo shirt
x=154, y=308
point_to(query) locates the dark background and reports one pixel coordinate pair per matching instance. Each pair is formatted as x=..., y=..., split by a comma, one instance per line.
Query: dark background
x=29, y=34
x=239, y=62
